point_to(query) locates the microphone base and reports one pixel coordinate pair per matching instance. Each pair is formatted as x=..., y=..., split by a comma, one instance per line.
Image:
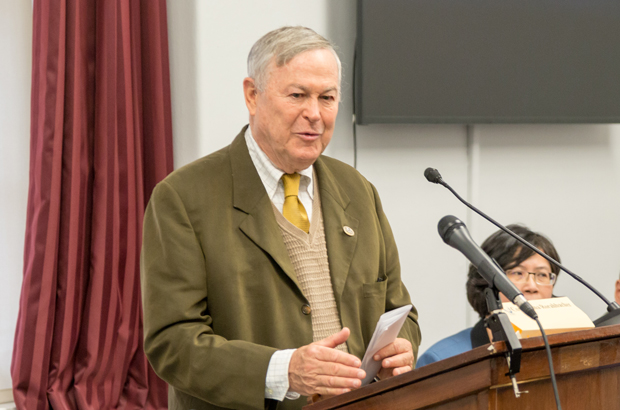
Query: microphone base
x=608, y=319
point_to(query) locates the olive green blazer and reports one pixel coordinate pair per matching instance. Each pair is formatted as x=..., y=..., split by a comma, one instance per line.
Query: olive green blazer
x=220, y=294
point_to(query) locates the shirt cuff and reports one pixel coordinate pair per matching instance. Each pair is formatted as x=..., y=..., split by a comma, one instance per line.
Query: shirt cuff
x=276, y=382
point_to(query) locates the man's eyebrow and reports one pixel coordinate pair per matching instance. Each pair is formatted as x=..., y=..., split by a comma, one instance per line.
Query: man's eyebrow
x=299, y=86
x=306, y=90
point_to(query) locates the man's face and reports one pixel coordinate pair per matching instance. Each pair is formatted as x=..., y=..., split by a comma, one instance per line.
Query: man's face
x=293, y=119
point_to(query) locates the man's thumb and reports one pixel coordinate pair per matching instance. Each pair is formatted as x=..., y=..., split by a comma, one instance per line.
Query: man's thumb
x=335, y=339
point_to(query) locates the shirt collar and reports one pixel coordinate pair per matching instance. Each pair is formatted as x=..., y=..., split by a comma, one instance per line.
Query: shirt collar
x=269, y=174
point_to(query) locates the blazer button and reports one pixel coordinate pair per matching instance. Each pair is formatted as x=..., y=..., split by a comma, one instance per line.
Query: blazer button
x=306, y=309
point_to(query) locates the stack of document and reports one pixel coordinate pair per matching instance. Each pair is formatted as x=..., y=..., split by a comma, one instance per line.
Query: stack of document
x=387, y=329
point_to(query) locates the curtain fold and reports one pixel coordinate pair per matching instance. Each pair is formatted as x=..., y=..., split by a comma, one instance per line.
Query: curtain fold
x=101, y=138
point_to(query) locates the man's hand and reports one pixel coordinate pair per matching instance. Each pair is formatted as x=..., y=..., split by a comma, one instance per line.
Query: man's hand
x=397, y=358
x=319, y=368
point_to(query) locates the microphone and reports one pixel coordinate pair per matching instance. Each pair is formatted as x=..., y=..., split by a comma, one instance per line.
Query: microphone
x=432, y=175
x=454, y=232
x=613, y=309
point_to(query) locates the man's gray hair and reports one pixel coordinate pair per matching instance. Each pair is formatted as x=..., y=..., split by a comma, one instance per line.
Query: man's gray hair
x=283, y=45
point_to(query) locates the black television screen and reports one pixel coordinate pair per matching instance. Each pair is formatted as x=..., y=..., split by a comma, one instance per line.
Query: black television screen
x=487, y=61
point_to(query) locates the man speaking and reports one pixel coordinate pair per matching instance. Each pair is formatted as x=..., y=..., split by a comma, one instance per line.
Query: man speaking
x=265, y=266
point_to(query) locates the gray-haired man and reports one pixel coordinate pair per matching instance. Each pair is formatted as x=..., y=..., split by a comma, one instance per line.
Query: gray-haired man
x=265, y=265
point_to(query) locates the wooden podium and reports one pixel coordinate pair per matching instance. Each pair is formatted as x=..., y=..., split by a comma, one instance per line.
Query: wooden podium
x=586, y=363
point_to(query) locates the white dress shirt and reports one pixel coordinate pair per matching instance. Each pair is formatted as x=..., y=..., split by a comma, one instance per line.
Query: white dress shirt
x=271, y=177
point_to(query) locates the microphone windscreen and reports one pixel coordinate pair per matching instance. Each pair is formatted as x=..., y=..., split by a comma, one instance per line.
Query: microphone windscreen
x=446, y=225
x=432, y=175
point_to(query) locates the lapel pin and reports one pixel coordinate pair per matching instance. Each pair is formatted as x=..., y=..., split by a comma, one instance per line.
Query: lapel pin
x=348, y=230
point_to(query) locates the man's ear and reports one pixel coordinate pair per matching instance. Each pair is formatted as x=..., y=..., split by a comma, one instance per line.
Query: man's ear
x=250, y=93
x=618, y=291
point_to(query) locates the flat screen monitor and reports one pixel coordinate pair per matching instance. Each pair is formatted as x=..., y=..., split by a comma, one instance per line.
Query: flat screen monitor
x=487, y=61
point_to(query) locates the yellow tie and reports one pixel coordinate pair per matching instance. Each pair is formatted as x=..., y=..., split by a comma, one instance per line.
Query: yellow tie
x=293, y=209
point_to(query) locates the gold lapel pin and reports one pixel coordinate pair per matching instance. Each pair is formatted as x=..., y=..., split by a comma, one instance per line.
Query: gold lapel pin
x=348, y=230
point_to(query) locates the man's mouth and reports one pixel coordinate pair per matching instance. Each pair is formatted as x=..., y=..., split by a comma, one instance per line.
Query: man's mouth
x=309, y=135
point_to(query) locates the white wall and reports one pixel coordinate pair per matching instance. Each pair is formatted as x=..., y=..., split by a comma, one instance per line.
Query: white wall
x=561, y=180
x=15, y=63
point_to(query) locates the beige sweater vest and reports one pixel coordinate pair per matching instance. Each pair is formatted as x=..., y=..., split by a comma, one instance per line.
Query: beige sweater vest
x=308, y=254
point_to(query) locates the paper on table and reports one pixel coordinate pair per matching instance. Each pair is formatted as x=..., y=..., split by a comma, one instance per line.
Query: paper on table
x=556, y=315
x=387, y=329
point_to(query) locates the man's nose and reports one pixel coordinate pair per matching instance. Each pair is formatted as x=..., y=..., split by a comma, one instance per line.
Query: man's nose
x=311, y=110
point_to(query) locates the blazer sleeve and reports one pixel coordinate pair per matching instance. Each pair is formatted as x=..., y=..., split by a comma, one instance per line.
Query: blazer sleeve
x=179, y=340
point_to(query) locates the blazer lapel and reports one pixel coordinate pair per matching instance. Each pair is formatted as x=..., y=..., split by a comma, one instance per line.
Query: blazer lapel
x=340, y=246
x=250, y=197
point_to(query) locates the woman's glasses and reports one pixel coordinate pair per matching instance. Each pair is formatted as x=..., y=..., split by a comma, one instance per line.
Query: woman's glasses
x=520, y=276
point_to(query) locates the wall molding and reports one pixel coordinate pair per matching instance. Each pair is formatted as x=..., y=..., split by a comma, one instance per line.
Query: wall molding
x=6, y=395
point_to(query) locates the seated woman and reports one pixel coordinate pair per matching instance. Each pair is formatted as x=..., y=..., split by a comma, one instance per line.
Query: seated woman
x=530, y=272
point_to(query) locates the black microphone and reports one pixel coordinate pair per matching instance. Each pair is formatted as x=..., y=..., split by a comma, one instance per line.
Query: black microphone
x=432, y=175
x=613, y=317
x=454, y=232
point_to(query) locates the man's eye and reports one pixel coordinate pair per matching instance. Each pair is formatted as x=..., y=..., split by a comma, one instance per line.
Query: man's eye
x=328, y=97
x=543, y=275
x=296, y=95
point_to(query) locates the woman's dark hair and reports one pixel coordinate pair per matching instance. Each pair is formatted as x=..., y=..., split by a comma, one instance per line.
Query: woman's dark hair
x=508, y=253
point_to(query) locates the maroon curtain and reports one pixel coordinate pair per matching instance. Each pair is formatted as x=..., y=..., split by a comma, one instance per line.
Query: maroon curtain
x=101, y=138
